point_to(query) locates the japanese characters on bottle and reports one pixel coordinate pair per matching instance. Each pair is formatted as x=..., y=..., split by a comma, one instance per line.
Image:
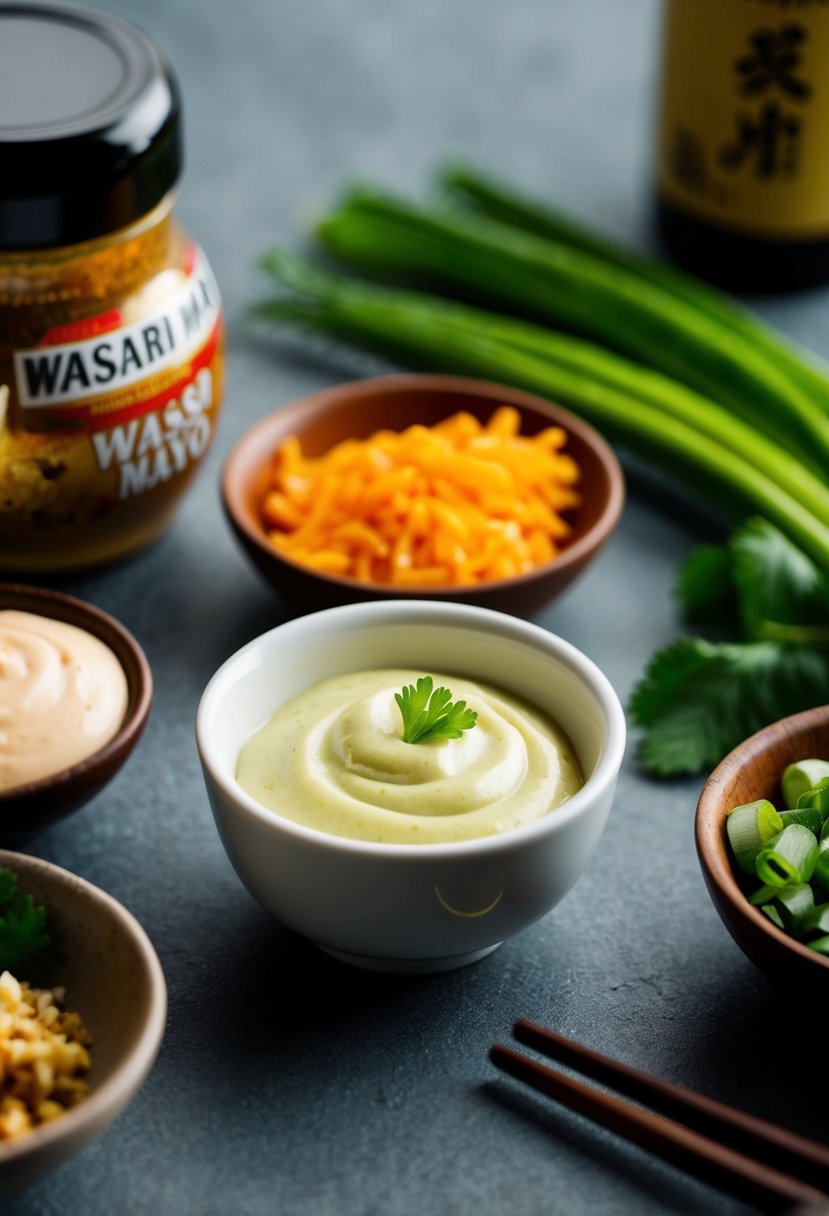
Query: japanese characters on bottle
x=742, y=165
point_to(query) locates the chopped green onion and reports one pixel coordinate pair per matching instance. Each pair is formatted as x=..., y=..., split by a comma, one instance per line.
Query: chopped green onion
x=791, y=859
x=817, y=921
x=817, y=796
x=763, y=895
x=809, y=816
x=794, y=904
x=820, y=874
x=750, y=827
x=800, y=777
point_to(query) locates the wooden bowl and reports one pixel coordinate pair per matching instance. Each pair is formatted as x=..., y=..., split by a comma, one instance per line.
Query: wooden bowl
x=28, y=809
x=113, y=979
x=753, y=770
x=358, y=409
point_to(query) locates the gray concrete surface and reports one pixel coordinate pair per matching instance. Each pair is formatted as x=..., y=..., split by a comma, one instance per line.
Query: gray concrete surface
x=289, y=1084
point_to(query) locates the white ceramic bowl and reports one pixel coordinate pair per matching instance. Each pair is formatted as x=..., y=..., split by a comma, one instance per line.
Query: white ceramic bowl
x=409, y=908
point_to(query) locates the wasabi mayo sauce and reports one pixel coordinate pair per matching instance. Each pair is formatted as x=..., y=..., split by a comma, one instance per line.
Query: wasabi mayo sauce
x=333, y=759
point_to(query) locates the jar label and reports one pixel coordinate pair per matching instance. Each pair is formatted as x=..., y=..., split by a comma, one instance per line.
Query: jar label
x=744, y=126
x=141, y=386
x=85, y=366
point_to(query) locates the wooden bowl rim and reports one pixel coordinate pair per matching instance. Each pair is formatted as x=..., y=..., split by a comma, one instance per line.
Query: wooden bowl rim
x=711, y=839
x=341, y=395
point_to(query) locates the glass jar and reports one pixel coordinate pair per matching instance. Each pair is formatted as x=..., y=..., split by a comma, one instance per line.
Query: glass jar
x=111, y=340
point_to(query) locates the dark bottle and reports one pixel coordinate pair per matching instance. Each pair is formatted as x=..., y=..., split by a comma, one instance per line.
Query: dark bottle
x=743, y=145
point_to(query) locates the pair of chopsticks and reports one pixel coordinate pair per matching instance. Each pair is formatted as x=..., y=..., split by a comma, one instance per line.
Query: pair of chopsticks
x=747, y=1157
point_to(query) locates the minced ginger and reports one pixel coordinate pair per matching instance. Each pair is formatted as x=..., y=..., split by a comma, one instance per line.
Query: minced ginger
x=43, y=1057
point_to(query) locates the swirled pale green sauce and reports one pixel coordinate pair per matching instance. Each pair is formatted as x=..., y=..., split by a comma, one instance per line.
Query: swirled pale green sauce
x=333, y=759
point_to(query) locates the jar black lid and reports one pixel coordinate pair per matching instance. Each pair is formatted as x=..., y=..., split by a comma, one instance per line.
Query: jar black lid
x=90, y=125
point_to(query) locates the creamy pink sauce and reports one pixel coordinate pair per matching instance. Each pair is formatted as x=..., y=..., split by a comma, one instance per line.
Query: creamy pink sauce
x=63, y=695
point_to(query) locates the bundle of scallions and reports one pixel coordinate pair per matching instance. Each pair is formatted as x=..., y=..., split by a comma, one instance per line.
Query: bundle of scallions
x=491, y=284
x=661, y=364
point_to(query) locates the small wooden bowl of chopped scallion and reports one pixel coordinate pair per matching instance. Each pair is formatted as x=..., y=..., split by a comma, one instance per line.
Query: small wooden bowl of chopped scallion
x=762, y=845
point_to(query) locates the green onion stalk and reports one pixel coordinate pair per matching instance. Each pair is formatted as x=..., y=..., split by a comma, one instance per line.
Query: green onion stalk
x=502, y=202
x=668, y=423
x=556, y=284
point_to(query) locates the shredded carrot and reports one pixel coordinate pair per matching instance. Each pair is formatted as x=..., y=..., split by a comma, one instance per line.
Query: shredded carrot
x=455, y=504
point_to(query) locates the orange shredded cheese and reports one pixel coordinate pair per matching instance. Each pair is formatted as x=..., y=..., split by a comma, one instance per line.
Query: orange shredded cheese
x=453, y=504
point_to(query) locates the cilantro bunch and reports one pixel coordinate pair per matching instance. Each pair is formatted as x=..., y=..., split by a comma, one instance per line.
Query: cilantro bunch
x=26, y=941
x=765, y=606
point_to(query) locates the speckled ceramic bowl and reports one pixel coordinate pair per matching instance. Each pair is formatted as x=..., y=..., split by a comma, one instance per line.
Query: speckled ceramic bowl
x=113, y=979
x=401, y=907
x=359, y=409
x=753, y=770
x=29, y=809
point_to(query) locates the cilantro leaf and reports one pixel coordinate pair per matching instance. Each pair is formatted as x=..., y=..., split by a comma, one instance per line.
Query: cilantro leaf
x=8, y=886
x=754, y=584
x=22, y=934
x=706, y=589
x=699, y=699
x=26, y=939
x=776, y=583
x=429, y=715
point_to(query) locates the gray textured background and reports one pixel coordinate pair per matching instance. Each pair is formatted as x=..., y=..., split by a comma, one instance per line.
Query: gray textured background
x=288, y=1083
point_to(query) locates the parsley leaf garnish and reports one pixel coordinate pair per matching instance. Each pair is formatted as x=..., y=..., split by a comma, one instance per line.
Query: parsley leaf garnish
x=26, y=941
x=429, y=715
x=699, y=698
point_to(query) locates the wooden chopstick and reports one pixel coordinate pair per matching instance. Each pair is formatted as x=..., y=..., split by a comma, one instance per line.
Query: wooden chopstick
x=745, y=1177
x=782, y=1149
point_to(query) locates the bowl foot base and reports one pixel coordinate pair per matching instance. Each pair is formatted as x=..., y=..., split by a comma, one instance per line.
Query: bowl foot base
x=408, y=966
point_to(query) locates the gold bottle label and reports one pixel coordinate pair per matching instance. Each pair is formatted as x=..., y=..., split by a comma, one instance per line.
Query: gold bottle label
x=744, y=129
